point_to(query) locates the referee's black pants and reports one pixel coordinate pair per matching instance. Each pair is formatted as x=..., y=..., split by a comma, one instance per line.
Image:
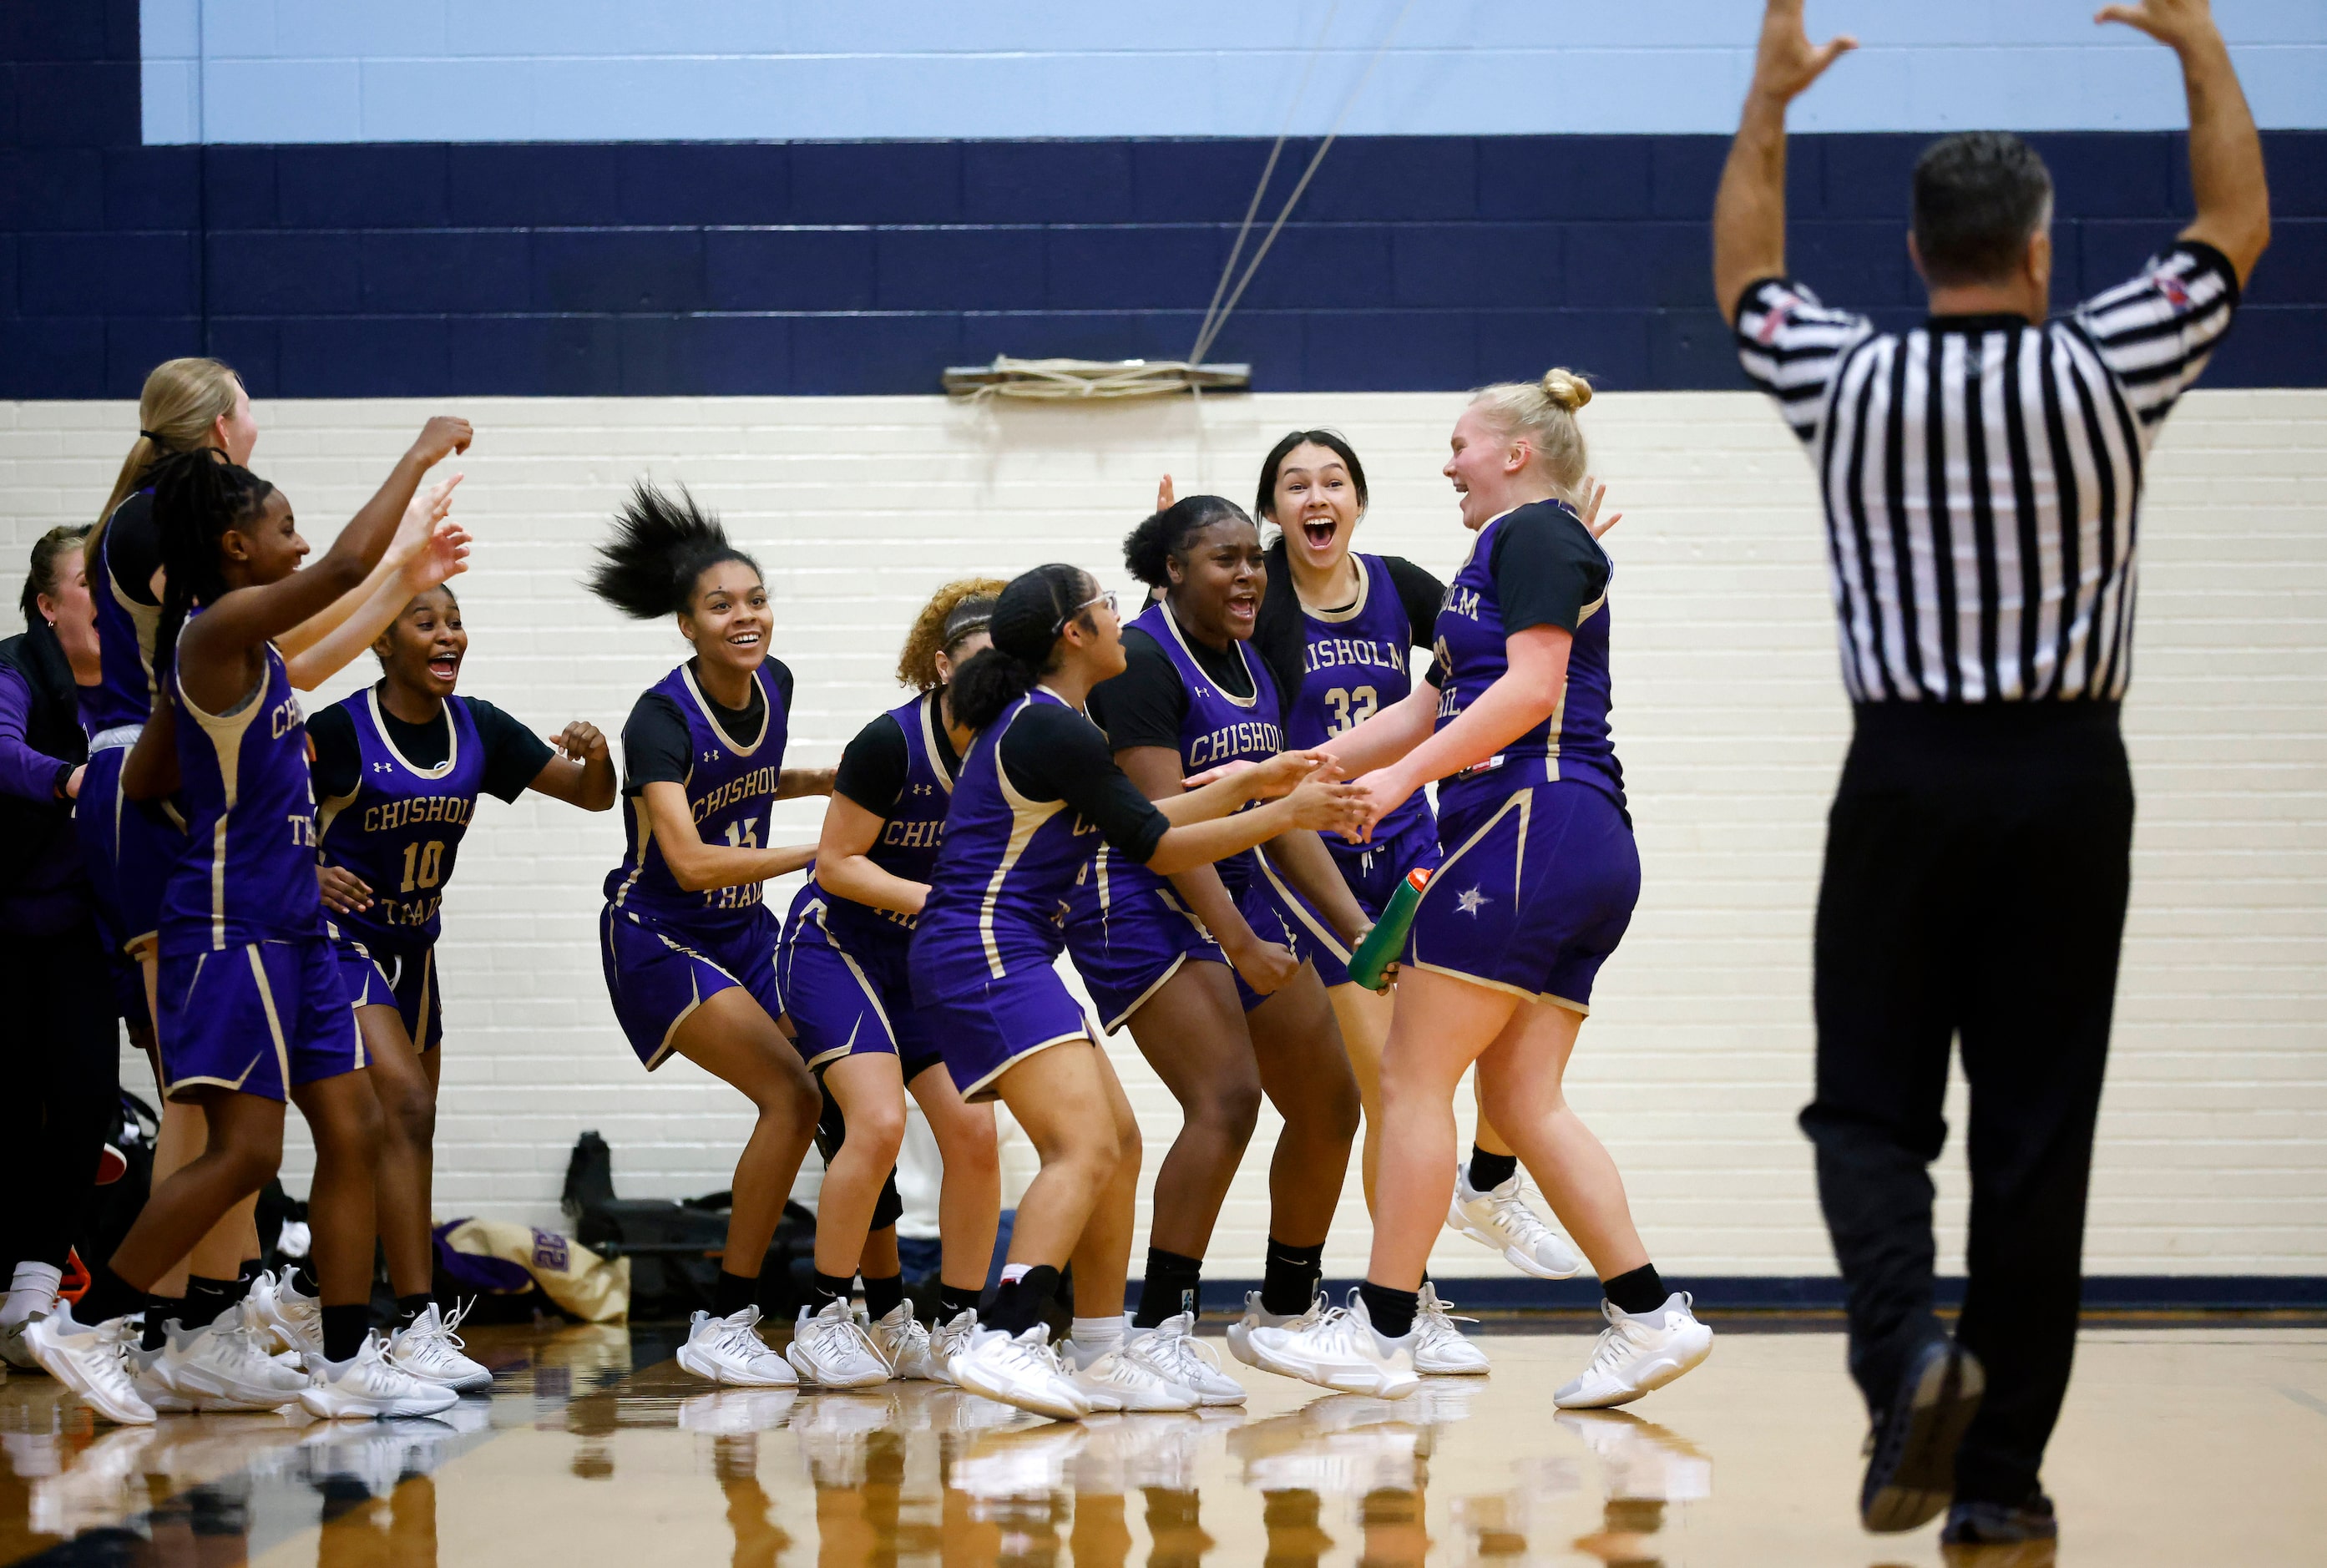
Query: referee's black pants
x=61, y=1047
x=1974, y=889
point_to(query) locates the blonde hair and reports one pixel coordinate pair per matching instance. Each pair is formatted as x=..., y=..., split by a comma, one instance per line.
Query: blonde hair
x=917, y=664
x=183, y=402
x=1543, y=412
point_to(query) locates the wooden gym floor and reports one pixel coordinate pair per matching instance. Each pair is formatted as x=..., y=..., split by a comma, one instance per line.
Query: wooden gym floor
x=2198, y=1443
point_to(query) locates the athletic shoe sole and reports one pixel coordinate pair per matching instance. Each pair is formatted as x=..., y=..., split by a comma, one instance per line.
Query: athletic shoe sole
x=470, y=1383
x=1919, y=1481
x=1480, y=1370
x=969, y=1377
x=333, y=1407
x=1379, y=1381
x=704, y=1369
x=1654, y=1376
x=1512, y=1254
x=811, y=1379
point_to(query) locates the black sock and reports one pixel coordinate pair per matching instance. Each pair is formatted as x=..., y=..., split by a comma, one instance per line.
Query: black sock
x=1392, y=1311
x=882, y=1294
x=955, y=1300
x=1289, y=1281
x=159, y=1311
x=1022, y=1302
x=1175, y=1284
x=108, y=1296
x=304, y=1280
x=1491, y=1171
x=733, y=1293
x=828, y=1288
x=1640, y=1291
x=206, y=1299
x=344, y=1329
x=248, y=1275
x=409, y=1308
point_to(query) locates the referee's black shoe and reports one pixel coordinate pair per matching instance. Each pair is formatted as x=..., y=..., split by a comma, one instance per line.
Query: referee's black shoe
x=1910, y=1467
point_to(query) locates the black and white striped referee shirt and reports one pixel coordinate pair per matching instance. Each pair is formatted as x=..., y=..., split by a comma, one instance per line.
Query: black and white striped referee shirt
x=1982, y=476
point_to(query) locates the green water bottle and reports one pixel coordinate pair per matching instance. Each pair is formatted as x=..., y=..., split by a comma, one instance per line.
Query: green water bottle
x=1386, y=941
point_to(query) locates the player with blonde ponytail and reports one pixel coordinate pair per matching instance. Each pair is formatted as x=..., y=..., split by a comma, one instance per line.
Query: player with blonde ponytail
x=1537, y=887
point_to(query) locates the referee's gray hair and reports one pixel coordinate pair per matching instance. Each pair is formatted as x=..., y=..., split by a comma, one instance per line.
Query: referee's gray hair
x=1544, y=412
x=1980, y=196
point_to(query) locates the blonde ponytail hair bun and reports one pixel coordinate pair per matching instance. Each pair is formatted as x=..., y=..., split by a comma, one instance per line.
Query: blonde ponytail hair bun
x=1565, y=389
x=1542, y=413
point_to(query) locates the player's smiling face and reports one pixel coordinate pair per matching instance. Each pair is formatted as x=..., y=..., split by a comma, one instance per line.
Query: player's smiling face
x=423, y=651
x=264, y=547
x=1216, y=581
x=1479, y=466
x=1316, y=504
x=729, y=620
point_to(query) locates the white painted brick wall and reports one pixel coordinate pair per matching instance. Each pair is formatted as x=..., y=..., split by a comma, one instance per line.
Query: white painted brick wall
x=1730, y=720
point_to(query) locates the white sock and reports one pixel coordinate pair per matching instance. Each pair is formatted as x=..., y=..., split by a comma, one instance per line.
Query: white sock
x=33, y=1290
x=1012, y=1273
x=1097, y=1336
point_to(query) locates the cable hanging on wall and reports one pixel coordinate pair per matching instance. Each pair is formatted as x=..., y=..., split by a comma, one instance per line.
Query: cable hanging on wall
x=1100, y=380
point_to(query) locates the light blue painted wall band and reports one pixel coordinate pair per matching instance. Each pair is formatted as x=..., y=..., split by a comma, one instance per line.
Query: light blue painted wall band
x=373, y=70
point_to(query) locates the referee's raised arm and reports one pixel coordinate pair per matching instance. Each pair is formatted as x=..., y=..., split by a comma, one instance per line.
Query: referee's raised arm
x=2226, y=171
x=1749, y=213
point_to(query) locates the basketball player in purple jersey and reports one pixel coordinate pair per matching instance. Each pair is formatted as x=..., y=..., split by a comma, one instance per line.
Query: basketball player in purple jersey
x=1536, y=888
x=1336, y=626
x=688, y=940
x=1193, y=698
x=1036, y=795
x=398, y=768
x=128, y=845
x=844, y=968
x=253, y=1012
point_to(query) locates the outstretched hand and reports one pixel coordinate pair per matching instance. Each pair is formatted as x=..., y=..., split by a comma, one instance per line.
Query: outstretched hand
x=1594, y=492
x=1280, y=775
x=2175, y=24
x=1164, y=495
x=1787, y=63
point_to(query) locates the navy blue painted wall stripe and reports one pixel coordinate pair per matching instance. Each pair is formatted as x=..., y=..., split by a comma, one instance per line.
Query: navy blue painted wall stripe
x=1417, y=263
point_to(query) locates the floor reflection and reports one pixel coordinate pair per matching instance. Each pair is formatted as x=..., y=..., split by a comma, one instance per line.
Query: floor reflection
x=594, y=1449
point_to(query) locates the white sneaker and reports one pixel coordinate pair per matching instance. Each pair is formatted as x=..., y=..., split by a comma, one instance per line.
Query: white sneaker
x=1024, y=1371
x=730, y=1350
x=368, y=1384
x=296, y=1319
x=831, y=1349
x=13, y=1351
x=88, y=1361
x=948, y=1340
x=1170, y=1349
x=1500, y=1220
x=221, y=1368
x=1439, y=1348
x=1638, y=1355
x=903, y=1341
x=1240, y=1332
x=1341, y=1350
x=431, y=1350
x=1111, y=1380
x=149, y=1375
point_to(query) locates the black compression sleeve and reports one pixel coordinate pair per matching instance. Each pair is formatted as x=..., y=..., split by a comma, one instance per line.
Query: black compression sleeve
x=1421, y=594
x=655, y=748
x=1052, y=754
x=338, y=767
x=872, y=769
x=514, y=755
x=1548, y=569
x=132, y=546
x=1143, y=706
x=1279, y=634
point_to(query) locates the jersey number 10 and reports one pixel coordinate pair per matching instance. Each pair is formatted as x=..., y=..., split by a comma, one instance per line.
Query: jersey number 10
x=424, y=865
x=1351, y=708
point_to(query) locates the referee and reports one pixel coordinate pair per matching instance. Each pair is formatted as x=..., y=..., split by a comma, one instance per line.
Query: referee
x=1981, y=475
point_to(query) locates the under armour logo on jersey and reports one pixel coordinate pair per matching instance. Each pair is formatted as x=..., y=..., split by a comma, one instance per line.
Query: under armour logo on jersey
x=1471, y=900
x=383, y=767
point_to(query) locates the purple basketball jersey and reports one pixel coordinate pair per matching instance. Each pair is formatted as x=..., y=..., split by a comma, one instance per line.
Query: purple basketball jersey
x=911, y=836
x=401, y=828
x=998, y=889
x=1214, y=728
x=124, y=693
x=1573, y=744
x=247, y=872
x=729, y=790
x=1353, y=664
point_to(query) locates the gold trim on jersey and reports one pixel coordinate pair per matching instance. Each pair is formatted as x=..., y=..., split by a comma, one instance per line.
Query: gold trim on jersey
x=380, y=723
